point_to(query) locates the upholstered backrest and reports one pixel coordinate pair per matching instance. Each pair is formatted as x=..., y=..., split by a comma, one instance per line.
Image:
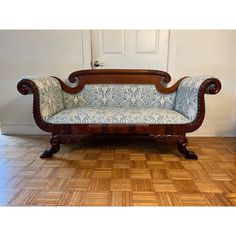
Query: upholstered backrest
x=128, y=95
x=50, y=95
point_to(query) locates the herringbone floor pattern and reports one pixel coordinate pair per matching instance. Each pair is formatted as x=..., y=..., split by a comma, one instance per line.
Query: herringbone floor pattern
x=117, y=171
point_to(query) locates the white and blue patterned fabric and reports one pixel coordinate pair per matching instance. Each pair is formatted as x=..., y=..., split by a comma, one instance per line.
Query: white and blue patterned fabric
x=118, y=104
x=117, y=115
x=114, y=95
x=186, y=101
x=50, y=95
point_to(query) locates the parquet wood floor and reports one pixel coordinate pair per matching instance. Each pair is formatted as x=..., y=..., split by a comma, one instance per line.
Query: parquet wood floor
x=117, y=171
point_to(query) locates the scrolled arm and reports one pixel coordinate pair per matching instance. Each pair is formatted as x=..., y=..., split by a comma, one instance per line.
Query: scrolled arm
x=48, y=96
x=189, y=99
x=25, y=86
x=212, y=86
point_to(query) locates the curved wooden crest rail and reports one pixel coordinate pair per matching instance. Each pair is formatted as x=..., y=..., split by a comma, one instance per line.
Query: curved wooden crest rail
x=167, y=133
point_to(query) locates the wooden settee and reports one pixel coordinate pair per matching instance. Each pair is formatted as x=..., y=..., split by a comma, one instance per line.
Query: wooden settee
x=119, y=101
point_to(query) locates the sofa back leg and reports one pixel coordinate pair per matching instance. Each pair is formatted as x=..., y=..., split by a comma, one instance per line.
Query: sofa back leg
x=181, y=146
x=54, y=149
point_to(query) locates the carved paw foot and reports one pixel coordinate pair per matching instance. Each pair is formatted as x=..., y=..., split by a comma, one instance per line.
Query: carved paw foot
x=46, y=154
x=190, y=155
x=181, y=145
x=54, y=149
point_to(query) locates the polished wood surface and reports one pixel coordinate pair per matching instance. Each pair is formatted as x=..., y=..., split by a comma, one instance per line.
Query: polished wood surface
x=119, y=76
x=70, y=133
x=117, y=171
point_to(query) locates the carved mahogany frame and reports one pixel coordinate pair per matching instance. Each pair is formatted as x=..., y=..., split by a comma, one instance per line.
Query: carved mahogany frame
x=167, y=133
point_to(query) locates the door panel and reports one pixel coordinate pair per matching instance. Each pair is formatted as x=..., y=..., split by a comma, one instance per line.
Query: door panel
x=147, y=41
x=112, y=42
x=146, y=49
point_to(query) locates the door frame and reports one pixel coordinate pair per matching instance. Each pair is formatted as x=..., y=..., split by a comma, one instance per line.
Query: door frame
x=87, y=49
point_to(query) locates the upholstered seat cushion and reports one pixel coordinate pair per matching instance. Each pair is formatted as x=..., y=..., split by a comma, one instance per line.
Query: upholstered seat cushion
x=117, y=115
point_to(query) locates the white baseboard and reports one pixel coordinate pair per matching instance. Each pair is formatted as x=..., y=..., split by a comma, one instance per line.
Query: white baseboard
x=212, y=131
x=204, y=131
x=22, y=129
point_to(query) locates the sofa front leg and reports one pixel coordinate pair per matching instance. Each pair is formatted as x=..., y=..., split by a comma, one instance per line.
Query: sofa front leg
x=181, y=146
x=54, y=149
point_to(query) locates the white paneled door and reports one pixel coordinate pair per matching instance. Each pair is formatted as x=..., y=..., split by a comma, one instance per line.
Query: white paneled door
x=147, y=49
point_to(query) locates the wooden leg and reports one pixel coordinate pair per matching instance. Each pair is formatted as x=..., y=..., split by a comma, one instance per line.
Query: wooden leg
x=181, y=146
x=54, y=149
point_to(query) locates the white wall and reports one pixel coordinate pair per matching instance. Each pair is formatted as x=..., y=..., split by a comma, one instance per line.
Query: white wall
x=211, y=52
x=191, y=52
x=34, y=53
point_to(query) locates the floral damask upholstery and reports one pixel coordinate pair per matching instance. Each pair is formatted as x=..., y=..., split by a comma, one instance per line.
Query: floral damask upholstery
x=120, y=96
x=186, y=101
x=119, y=104
x=118, y=115
x=50, y=95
